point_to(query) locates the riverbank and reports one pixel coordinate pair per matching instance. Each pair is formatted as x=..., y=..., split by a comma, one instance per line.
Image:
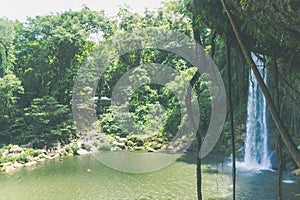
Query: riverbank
x=13, y=157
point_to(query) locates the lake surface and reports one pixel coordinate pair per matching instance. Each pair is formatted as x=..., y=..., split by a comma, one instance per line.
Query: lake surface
x=84, y=177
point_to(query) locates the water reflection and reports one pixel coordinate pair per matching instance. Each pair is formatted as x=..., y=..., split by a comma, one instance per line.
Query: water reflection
x=84, y=177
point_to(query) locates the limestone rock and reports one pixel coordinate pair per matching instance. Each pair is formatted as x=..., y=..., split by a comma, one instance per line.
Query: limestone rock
x=149, y=149
x=123, y=140
x=121, y=145
x=17, y=165
x=29, y=164
x=16, y=149
x=296, y=172
x=9, y=168
x=53, y=156
x=115, y=149
x=41, y=160
x=6, y=164
x=138, y=148
x=82, y=152
x=5, y=153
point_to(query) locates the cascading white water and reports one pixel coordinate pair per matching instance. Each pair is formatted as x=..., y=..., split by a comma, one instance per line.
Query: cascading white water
x=257, y=154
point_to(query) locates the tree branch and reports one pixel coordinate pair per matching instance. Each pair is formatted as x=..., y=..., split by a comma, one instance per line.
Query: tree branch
x=291, y=146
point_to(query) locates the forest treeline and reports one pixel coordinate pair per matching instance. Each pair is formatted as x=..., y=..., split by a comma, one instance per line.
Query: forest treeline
x=40, y=58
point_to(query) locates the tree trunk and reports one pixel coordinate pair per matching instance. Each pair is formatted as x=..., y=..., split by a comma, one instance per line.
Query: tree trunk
x=193, y=81
x=284, y=133
x=279, y=143
x=231, y=117
x=198, y=160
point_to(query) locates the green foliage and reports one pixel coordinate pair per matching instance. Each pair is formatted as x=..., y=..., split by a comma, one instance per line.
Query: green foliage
x=45, y=53
x=36, y=153
x=210, y=170
x=7, y=35
x=104, y=146
x=266, y=28
x=32, y=152
x=29, y=151
x=10, y=91
x=136, y=139
x=43, y=56
x=152, y=108
x=48, y=122
x=129, y=143
x=109, y=125
x=72, y=149
x=23, y=158
x=10, y=88
x=8, y=147
x=9, y=158
x=1, y=152
x=164, y=19
x=51, y=49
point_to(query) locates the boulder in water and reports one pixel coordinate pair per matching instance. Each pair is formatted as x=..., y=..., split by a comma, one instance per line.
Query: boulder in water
x=296, y=172
x=9, y=168
x=82, y=152
x=41, y=159
x=118, y=144
x=150, y=149
x=5, y=164
x=29, y=164
x=17, y=165
x=115, y=149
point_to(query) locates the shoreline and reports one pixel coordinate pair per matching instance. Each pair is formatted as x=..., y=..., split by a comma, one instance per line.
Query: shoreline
x=13, y=157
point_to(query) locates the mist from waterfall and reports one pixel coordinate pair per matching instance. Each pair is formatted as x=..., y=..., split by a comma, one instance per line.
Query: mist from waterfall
x=257, y=154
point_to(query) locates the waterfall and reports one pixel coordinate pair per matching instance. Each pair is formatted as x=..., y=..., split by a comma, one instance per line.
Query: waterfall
x=256, y=144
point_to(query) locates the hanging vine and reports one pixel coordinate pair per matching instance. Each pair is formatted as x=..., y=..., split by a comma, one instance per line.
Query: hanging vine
x=229, y=72
x=278, y=141
x=291, y=146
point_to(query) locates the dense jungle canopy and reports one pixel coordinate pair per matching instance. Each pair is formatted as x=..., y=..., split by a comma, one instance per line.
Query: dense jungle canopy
x=39, y=60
